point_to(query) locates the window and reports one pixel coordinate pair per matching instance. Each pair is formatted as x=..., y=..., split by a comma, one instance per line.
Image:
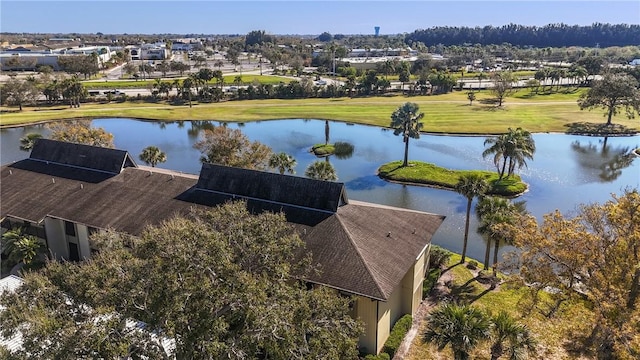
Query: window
x=70, y=228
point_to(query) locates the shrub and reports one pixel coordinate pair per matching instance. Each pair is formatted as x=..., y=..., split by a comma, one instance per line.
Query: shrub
x=438, y=257
x=398, y=332
x=430, y=281
x=382, y=356
x=472, y=265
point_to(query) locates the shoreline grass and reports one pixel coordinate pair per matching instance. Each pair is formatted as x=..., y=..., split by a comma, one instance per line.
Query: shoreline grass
x=444, y=114
x=428, y=174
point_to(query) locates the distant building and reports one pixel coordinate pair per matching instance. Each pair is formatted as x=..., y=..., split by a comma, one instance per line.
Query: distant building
x=148, y=52
x=29, y=59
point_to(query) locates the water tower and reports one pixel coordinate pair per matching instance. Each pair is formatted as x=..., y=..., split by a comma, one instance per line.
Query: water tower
x=377, y=29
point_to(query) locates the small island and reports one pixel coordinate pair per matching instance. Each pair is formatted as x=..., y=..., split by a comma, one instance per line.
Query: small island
x=427, y=174
x=342, y=150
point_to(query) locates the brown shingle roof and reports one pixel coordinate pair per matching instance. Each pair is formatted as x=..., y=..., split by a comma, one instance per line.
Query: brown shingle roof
x=82, y=156
x=361, y=248
x=284, y=189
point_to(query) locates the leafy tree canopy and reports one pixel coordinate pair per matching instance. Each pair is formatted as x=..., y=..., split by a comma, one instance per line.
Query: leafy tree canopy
x=230, y=147
x=594, y=255
x=614, y=92
x=81, y=132
x=221, y=284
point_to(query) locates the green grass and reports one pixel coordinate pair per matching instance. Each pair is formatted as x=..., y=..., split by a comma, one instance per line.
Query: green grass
x=553, y=334
x=448, y=113
x=422, y=173
x=323, y=150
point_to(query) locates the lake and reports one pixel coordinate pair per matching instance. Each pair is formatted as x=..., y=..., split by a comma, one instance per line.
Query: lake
x=567, y=170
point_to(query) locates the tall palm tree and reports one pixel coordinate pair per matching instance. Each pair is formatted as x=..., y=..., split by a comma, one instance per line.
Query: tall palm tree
x=406, y=121
x=522, y=147
x=512, y=148
x=28, y=141
x=460, y=326
x=152, y=156
x=283, y=162
x=510, y=337
x=492, y=211
x=498, y=147
x=470, y=186
x=321, y=170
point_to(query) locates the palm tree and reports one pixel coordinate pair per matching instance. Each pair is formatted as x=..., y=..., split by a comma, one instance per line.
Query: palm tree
x=406, y=121
x=522, y=147
x=21, y=247
x=28, y=141
x=321, y=170
x=283, y=162
x=460, y=326
x=498, y=147
x=513, y=147
x=326, y=132
x=493, y=211
x=470, y=186
x=518, y=339
x=152, y=155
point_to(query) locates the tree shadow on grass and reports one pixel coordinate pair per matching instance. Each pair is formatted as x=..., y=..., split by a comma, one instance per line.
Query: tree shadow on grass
x=464, y=293
x=579, y=346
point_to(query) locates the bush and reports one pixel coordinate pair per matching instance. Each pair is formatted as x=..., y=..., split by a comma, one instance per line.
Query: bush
x=438, y=257
x=430, y=281
x=398, y=332
x=382, y=356
x=472, y=265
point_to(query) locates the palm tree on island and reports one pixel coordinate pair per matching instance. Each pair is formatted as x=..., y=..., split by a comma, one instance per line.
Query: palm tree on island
x=406, y=121
x=512, y=148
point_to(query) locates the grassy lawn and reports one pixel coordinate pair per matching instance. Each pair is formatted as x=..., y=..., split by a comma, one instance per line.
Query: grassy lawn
x=429, y=174
x=555, y=335
x=448, y=113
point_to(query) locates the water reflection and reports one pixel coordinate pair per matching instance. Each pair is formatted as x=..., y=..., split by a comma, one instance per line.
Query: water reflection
x=603, y=162
x=567, y=170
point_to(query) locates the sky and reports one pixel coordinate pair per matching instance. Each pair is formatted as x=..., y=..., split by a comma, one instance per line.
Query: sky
x=299, y=16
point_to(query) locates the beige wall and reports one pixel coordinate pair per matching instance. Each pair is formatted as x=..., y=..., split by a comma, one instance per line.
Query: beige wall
x=380, y=316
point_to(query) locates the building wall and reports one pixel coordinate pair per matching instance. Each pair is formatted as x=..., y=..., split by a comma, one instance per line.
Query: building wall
x=59, y=240
x=367, y=311
x=380, y=316
x=83, y=241
x=58, y=246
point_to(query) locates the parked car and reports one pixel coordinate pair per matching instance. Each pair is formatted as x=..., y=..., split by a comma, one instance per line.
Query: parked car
x=114, y=92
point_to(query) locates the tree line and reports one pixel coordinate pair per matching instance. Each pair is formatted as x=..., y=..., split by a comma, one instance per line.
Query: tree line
x=552, y=35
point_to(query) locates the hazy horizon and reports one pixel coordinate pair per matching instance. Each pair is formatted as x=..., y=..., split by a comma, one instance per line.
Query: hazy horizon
x=298, y=17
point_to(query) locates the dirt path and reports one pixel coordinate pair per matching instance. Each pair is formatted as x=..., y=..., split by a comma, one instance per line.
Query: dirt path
x=439, y=291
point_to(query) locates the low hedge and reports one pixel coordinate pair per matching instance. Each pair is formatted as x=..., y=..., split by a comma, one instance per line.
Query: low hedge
x=398, y=332
x=382, y=356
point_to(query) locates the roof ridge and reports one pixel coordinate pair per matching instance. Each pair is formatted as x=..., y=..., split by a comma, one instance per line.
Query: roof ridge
x=353, y=244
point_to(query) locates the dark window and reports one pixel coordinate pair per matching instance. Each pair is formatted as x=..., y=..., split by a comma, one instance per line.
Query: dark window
x=74, y=252
x=69, y=228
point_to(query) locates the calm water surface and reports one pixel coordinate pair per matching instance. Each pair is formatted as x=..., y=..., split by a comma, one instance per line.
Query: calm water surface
x=566, y=171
